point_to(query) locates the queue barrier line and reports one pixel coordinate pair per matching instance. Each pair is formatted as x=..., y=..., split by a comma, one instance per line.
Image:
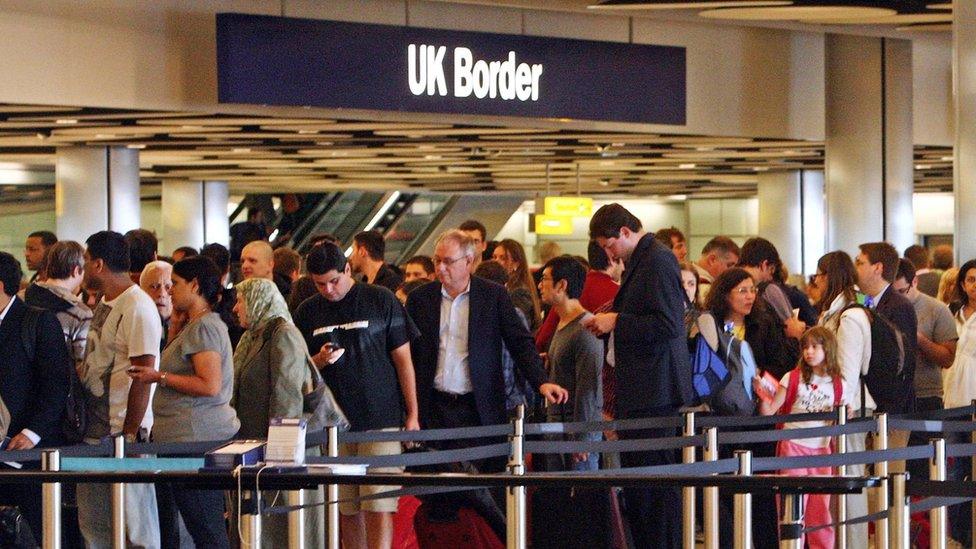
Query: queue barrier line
x=947, y=413
x=833, y=460
x=105, y=447
x=919, y=506
x=960, y=450
x=931, y=426
x=414, y=459
x=638, y=445
x=752, y=437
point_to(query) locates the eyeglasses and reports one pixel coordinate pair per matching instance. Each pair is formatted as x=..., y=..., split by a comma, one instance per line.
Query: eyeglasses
x=746, y=290
x=448, y=261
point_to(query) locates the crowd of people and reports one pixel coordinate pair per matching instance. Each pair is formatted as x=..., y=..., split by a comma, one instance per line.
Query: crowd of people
x=183, y=349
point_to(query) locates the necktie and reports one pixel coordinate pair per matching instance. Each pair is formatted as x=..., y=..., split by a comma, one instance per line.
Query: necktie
x=869, y=302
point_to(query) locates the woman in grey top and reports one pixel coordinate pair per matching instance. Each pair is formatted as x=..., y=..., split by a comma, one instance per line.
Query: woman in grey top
x=271, y=374
x=192, y=400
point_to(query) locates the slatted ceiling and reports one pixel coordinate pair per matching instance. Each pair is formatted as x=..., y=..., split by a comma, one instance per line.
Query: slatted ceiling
x=282, y=154
x=907, y=19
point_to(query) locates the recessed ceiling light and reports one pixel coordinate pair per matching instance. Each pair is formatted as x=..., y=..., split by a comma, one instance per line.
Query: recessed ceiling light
x=240, y=150
x=604, y=182
x=687, y=166
x=760, y=168
x=136, y=146
x=307, y=132
x=704, y=149
x=947, y=158
x=65, y=121
x=921, y=167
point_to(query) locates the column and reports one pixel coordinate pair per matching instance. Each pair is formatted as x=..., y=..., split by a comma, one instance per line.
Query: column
x=194, y=213
x=791, y=216
x=964, y=163
x=96, y=188
x=869, y=154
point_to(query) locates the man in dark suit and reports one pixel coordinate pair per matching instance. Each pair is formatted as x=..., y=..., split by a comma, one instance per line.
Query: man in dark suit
x=463, y=322
x=877, y=267
x=648, y=348
x=34, y=389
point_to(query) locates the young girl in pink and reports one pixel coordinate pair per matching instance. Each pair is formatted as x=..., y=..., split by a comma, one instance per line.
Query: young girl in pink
x=813, y=386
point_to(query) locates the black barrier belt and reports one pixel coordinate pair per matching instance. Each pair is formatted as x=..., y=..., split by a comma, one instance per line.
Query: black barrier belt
x=945, y=489
x=960, y=450
x=728, y=465
x=595, y=426
x=748, y=421
x=571, y=446
x=103, y=449
x=752, y=437
x=835, y=460
x=948, y=413
x=931, y=426
x=419, y=458
x=401, y=492
x=174, y=448
x=500, y=430
x=920, y=506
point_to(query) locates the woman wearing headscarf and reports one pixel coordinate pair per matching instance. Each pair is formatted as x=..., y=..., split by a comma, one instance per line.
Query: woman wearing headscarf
x=271, y=374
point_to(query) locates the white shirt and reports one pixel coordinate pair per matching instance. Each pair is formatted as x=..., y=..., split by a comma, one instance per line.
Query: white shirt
x=959, y=381
x=853, y=330
x=34, y=437
x=125, y=327
x=453, y=373
x=816, y=396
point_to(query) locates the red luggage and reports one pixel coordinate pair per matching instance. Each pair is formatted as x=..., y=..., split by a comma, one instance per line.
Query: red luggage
x=468, y=530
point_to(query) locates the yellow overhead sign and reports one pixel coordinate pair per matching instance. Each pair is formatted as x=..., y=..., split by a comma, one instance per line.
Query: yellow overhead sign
x=553, y=224
x=569, y=205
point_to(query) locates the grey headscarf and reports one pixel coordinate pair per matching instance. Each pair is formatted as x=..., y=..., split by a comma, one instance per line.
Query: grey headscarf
x=264, y=303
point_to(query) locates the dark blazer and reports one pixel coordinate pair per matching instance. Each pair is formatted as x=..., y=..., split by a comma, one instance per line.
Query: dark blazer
x=492, y=321
x=900, y=311
x=35, y=393
x=650, y=345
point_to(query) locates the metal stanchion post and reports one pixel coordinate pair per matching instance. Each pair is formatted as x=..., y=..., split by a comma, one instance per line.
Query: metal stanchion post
x=840, y=539
x=938, y=533
x=898, y=512
x=252, y=522
x=296, y=520
x=51, y=502
x=742, y=506
x=515, y=516
x=118, y=501
x=710, y=493
x=881, y=470
x=688, y=494
x=791, y=528
x=332, y=492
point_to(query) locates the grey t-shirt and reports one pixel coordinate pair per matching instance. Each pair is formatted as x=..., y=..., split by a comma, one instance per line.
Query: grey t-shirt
x=936, y=323
x=576, y=364
x=186, y=418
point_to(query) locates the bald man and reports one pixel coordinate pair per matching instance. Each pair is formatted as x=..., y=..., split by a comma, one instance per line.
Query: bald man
x=257, y=260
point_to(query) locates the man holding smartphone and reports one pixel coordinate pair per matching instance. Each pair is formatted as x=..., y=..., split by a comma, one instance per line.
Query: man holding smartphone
x=359, y=337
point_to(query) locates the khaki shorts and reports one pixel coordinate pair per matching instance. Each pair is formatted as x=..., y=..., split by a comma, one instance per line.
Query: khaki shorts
x=365, y=449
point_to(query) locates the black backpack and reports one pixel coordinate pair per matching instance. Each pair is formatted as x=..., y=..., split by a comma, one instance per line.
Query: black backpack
x=728, y=395
x=887, y=379
x=74, y=420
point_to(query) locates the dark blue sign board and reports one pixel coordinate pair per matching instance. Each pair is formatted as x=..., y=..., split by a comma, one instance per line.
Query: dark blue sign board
x=303, y=62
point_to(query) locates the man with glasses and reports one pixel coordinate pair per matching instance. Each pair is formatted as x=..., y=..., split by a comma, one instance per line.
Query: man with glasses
x=649, y=351
x=463, y=322
x=937, y=338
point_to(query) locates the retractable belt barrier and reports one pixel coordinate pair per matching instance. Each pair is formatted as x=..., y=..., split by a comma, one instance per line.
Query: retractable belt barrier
x=92, y=463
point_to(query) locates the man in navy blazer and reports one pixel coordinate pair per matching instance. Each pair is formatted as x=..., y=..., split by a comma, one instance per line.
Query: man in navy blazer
x=648, y=347
x=463, y=321
x=33, y=389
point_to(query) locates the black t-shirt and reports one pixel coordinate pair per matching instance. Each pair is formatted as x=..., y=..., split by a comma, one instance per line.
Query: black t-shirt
x=369, y=323
x=388, y=278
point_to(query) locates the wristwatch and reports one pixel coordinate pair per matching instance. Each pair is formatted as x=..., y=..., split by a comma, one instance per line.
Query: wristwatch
x=162, y=380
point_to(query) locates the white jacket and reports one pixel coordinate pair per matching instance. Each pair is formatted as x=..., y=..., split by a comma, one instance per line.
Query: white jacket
x=853, y=331
x=959, y=381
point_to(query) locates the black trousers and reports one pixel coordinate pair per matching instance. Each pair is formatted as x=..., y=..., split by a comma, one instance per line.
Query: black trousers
x=27, y=497
x=202, y=512
x=919, y=468
x=453, y=411
x=654, y=514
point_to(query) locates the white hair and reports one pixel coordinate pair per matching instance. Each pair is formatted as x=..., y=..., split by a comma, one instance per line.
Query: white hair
x=464, y=242
x=152, y=267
